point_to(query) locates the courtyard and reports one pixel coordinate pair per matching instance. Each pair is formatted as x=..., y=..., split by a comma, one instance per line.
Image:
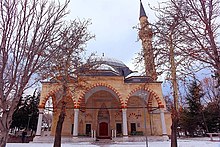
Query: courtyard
x=189, y=142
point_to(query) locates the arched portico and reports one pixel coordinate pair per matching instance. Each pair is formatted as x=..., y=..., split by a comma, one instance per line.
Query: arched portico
x=101, y=105
x=43, y=100
x=142, y=99
x=97, y=87
x=55, y=96
x=148, y=94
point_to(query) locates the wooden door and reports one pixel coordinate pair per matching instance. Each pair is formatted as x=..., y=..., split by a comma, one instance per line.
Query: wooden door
x=133, y=128
x=103, y=129
x=119, y=128
x=88, y=129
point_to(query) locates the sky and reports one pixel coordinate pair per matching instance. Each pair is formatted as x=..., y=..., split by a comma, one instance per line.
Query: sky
x=112, y=24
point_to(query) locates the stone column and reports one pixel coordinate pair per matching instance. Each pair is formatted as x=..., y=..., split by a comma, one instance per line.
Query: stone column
x=124, y=118
x=92, y=134
x=163, y=123
x=76, y=118
x=39, y=123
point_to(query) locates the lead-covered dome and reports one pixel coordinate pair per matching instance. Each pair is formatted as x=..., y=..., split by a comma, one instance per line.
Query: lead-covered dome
x=111, y=61
x=105, y=66
x=114, y=65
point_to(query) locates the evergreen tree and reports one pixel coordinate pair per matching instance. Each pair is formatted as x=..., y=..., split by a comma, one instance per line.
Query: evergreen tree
x=191, y=117
x=212, y=116
x=26, y=113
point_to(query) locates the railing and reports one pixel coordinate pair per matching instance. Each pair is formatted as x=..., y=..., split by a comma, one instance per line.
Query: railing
x=211, y=134
x=137, y=133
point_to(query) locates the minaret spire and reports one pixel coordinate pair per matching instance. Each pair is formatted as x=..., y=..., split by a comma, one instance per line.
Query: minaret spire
x=145, y=34
x=142, y=11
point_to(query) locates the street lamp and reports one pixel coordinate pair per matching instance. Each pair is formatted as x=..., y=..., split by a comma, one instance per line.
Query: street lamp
x=29, y=117
x=143, y=95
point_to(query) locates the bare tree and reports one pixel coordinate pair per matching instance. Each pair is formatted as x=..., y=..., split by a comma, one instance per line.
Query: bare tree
x=185, y=31
x=67, y=65
x=212, y=93
x=200, y=19
x=169, y=57
x=197, y=38
x=28, y=29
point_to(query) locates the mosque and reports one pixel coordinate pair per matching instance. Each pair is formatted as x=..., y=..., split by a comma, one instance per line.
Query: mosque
x=115, y=103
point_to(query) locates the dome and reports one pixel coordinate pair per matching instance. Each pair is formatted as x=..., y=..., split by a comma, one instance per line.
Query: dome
x=111, y=61
x=110, y=66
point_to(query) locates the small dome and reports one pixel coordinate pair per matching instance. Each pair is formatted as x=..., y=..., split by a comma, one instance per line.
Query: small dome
x=134, y=74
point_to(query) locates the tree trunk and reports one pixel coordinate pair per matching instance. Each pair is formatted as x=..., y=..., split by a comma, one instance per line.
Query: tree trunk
x=175, y=95
x=174, y=116
x=57, y=140
x=4, y=137
x=5, y=122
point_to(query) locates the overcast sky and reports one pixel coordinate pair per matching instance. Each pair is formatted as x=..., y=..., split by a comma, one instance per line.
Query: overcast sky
x=112, y=22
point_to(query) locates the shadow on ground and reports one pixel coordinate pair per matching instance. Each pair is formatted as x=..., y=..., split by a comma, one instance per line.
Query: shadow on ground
x=18, y=139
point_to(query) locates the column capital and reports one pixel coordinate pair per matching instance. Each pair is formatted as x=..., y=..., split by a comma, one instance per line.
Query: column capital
x=124, y=109
x=76, y=109
x=41, y=110
x=161, y=110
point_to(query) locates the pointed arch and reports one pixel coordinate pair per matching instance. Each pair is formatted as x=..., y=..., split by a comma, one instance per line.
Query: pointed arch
x=150, y=99
x=82, y=99
x=52, y=94
x=49, y=94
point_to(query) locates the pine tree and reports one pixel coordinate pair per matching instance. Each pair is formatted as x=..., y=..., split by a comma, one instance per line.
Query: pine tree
x=212, y=116
x=191, y=118
x=26, y=113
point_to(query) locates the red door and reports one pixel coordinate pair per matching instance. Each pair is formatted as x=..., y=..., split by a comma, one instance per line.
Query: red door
x=103, y=129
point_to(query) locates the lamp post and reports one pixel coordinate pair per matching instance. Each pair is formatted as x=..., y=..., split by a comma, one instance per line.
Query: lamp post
x=143, y=95
x=29, y=117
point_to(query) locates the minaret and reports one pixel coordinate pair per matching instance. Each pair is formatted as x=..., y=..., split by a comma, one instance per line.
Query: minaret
x=145, y=34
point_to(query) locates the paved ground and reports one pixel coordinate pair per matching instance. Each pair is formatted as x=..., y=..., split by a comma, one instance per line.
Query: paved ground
x=181, y=143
